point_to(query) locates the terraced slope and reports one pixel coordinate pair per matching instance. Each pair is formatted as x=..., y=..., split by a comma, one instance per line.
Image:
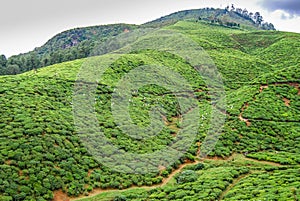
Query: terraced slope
x=234, y=178
x=42, y=156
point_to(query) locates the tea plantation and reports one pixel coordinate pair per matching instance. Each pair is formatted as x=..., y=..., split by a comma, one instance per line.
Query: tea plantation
x=256, y=157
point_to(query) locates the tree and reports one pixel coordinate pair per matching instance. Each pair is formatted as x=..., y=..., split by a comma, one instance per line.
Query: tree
x=268, y=26
x=13, y=60
x=3, y=61
x=239, y=10
x=258, y=18
x=232, y=8
x=245, y=12
x=12, y=69
x=251, y=15
x=227, y=8
x=46, y=61
x=271, y=26
x=31, y=62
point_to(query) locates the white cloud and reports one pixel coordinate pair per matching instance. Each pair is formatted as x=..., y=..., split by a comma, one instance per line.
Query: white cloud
x=289, y=6
x=285, y=21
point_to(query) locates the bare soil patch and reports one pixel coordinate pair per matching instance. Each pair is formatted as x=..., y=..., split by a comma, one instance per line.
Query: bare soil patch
x=60, y=196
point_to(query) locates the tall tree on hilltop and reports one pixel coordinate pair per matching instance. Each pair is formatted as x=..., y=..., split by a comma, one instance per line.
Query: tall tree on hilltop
x=251, y=15
x=232, y=8
x=239, y=10
x=227, y=8
x=258, y=18
x=245, y=12
x=3, y=61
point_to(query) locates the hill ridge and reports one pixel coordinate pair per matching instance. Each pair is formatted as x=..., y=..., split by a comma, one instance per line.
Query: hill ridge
x=78, y=42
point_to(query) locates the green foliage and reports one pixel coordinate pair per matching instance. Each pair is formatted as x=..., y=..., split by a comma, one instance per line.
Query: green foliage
x=277, y=185
x=255, y=41
x=79, y=42
x=282, y=157
x=270, y=104
x=67, y=46
x=283, y=53
x=40, y=151
x=206, y=184
x=186, y=176
x=208, y=15
x=39, y=146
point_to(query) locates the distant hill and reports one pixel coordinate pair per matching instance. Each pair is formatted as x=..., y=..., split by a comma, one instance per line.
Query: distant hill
x=78, y=43
x=75, y=37
x=66, y=46
x=245, y=19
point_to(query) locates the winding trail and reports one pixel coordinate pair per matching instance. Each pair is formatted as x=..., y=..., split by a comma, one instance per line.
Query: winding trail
x=165, y=181
x=248, y=123
x=235, y=181
x=98, y=191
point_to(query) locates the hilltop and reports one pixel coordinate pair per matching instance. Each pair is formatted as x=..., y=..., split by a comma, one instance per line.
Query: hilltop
x=79, y=43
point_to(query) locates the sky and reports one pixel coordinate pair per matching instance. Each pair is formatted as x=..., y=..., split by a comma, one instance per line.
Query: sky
x=31, y=23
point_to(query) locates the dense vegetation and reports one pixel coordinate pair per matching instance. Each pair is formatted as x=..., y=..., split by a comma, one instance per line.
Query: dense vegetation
x=78, y=43
x=230, y=17
x=41, y=153
x=233, y=179
x=67, y=46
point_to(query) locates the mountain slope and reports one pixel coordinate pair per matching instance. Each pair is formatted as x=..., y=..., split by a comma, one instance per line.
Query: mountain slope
x=66, y=46
x=79, y=43
x=74, y=37
x=221, y=16
x=42, y=154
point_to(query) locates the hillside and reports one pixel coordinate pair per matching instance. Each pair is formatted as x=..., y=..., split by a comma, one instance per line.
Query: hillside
x=44, y=153
x=66, y=46
x=79, y=42
x=223, y=16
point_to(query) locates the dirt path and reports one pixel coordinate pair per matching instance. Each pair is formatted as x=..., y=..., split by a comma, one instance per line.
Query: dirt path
x=245, y=106
x=286, y=102
x=261, y=89
x=60, y=196
x=235, y=181
x=165, y=181
x=98, y=191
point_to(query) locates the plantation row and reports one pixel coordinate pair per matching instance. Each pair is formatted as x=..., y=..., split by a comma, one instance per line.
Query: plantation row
x=235, y=179
x=42, y=151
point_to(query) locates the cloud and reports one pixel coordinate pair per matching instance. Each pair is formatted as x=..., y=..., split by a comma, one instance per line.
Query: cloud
x=286, y=16
x=291, y=7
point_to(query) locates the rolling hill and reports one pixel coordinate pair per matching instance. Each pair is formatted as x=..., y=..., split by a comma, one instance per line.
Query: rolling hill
x=79, y=42
x=43, y=156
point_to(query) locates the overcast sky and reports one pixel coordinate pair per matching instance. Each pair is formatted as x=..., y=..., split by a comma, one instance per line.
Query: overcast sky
x=30, y=23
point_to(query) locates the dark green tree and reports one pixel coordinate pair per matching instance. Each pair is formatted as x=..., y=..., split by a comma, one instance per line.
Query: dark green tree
x=258, y=18
x=12, y=69
x=3, y=61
